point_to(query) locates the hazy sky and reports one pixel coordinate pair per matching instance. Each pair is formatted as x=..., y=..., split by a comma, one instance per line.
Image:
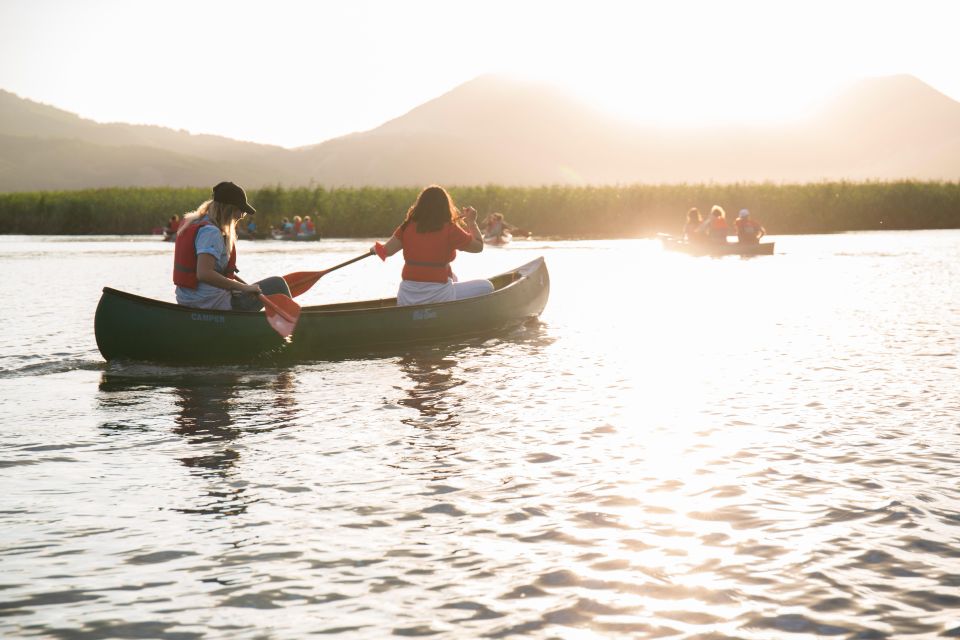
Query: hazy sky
x=295, y=72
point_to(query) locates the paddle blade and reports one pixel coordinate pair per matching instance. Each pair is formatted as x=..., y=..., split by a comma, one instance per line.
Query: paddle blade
x=301, y=281
x=282, y=313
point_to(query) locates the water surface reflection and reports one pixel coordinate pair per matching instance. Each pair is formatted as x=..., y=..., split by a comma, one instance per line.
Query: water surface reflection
x=213, y=409
x=434, y=377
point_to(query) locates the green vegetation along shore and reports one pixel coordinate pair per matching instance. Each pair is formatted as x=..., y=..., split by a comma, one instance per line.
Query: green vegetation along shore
x=559, y=211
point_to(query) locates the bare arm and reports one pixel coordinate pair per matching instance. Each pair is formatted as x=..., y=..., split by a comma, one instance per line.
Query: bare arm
x=470, y=217
x=392, y=245
x=207, y=273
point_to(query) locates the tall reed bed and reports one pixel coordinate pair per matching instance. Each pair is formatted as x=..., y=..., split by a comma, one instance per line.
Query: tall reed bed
x=560, y=211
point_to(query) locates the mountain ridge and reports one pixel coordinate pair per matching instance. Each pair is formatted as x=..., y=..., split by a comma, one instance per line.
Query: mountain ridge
x=495, y=130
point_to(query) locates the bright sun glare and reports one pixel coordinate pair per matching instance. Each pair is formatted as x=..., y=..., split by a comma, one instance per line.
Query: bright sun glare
x=704, y=102
x=692, y=63
x=315, y=71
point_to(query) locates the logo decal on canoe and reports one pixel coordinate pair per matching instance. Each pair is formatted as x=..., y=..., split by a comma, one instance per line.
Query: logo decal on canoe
x=208, y=317
x=424, y=314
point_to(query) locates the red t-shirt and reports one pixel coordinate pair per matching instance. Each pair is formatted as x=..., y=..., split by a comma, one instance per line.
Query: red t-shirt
x=427, y=256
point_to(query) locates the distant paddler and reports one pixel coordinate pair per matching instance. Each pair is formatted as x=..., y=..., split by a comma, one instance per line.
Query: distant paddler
x=749, y=230
x=715, y=227
x=497, y=230
x=170, y=230
x=691, y=229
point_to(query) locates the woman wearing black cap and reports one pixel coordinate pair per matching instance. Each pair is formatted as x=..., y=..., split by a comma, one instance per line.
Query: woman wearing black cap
x=205, y=256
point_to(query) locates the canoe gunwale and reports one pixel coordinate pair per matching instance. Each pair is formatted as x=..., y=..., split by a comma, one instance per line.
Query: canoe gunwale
x=719, y=250
x=366, y=306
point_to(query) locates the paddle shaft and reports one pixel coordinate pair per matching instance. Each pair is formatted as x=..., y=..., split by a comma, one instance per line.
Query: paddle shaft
x=301, y=281
x=348, y=262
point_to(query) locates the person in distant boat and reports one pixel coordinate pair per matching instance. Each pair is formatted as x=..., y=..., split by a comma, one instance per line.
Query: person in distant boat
x=430, y=236
x=297, y=225
x=307, y=228
x=286, y=227
x=170, y=230
x=495, y=226
x=749, y=231
x=715, y=227
x=205, y=256
x=251, y=227
x=691, y=230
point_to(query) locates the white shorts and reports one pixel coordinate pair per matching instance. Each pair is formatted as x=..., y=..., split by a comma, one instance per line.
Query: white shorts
x=413, y=292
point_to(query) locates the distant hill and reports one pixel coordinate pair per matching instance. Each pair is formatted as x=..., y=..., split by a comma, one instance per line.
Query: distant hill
x=42, y=147
x=494, y=130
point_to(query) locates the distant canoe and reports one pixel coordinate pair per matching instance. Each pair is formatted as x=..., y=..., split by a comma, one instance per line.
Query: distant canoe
x=131, y=327
x=499, y=240
x=277, y=235
x=717, y=248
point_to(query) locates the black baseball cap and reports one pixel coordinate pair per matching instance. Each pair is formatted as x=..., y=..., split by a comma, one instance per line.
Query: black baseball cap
x=229, y=193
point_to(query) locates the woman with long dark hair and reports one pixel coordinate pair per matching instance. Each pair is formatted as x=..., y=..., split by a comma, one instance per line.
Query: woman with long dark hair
x=430, y=236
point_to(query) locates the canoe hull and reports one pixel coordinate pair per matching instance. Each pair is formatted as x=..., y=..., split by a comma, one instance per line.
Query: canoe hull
x=498, y=241
x=389, y=327
x=136, y=328
x=718, y=249
x=288, y=238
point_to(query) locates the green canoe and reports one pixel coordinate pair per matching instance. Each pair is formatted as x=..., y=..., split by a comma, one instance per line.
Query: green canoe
x=717, y=248
x=131, y=327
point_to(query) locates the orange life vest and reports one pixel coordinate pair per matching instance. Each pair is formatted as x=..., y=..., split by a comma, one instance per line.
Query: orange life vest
x=185, y=257
x=427, y=256
x=718, y=228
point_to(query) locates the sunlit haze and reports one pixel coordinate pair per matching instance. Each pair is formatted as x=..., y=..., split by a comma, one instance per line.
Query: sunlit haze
x=295, y=73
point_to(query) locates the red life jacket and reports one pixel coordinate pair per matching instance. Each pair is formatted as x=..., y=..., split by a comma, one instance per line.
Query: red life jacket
x=427, y=256
x=185, y=257
x=718, y=228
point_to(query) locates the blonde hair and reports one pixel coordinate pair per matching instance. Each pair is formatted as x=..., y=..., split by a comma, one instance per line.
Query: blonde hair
x=718, y=209
x=221, y=215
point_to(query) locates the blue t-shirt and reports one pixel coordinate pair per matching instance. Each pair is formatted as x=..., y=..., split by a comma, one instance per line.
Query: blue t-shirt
x=206, y=296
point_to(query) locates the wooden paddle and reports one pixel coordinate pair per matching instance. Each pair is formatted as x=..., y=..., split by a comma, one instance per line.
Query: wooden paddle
x=301, y=281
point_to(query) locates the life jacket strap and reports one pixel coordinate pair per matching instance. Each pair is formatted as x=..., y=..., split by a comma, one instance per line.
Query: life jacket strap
x=417, y=263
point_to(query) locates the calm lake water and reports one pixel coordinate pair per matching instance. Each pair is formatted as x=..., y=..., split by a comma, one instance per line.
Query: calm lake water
x=683, y=447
